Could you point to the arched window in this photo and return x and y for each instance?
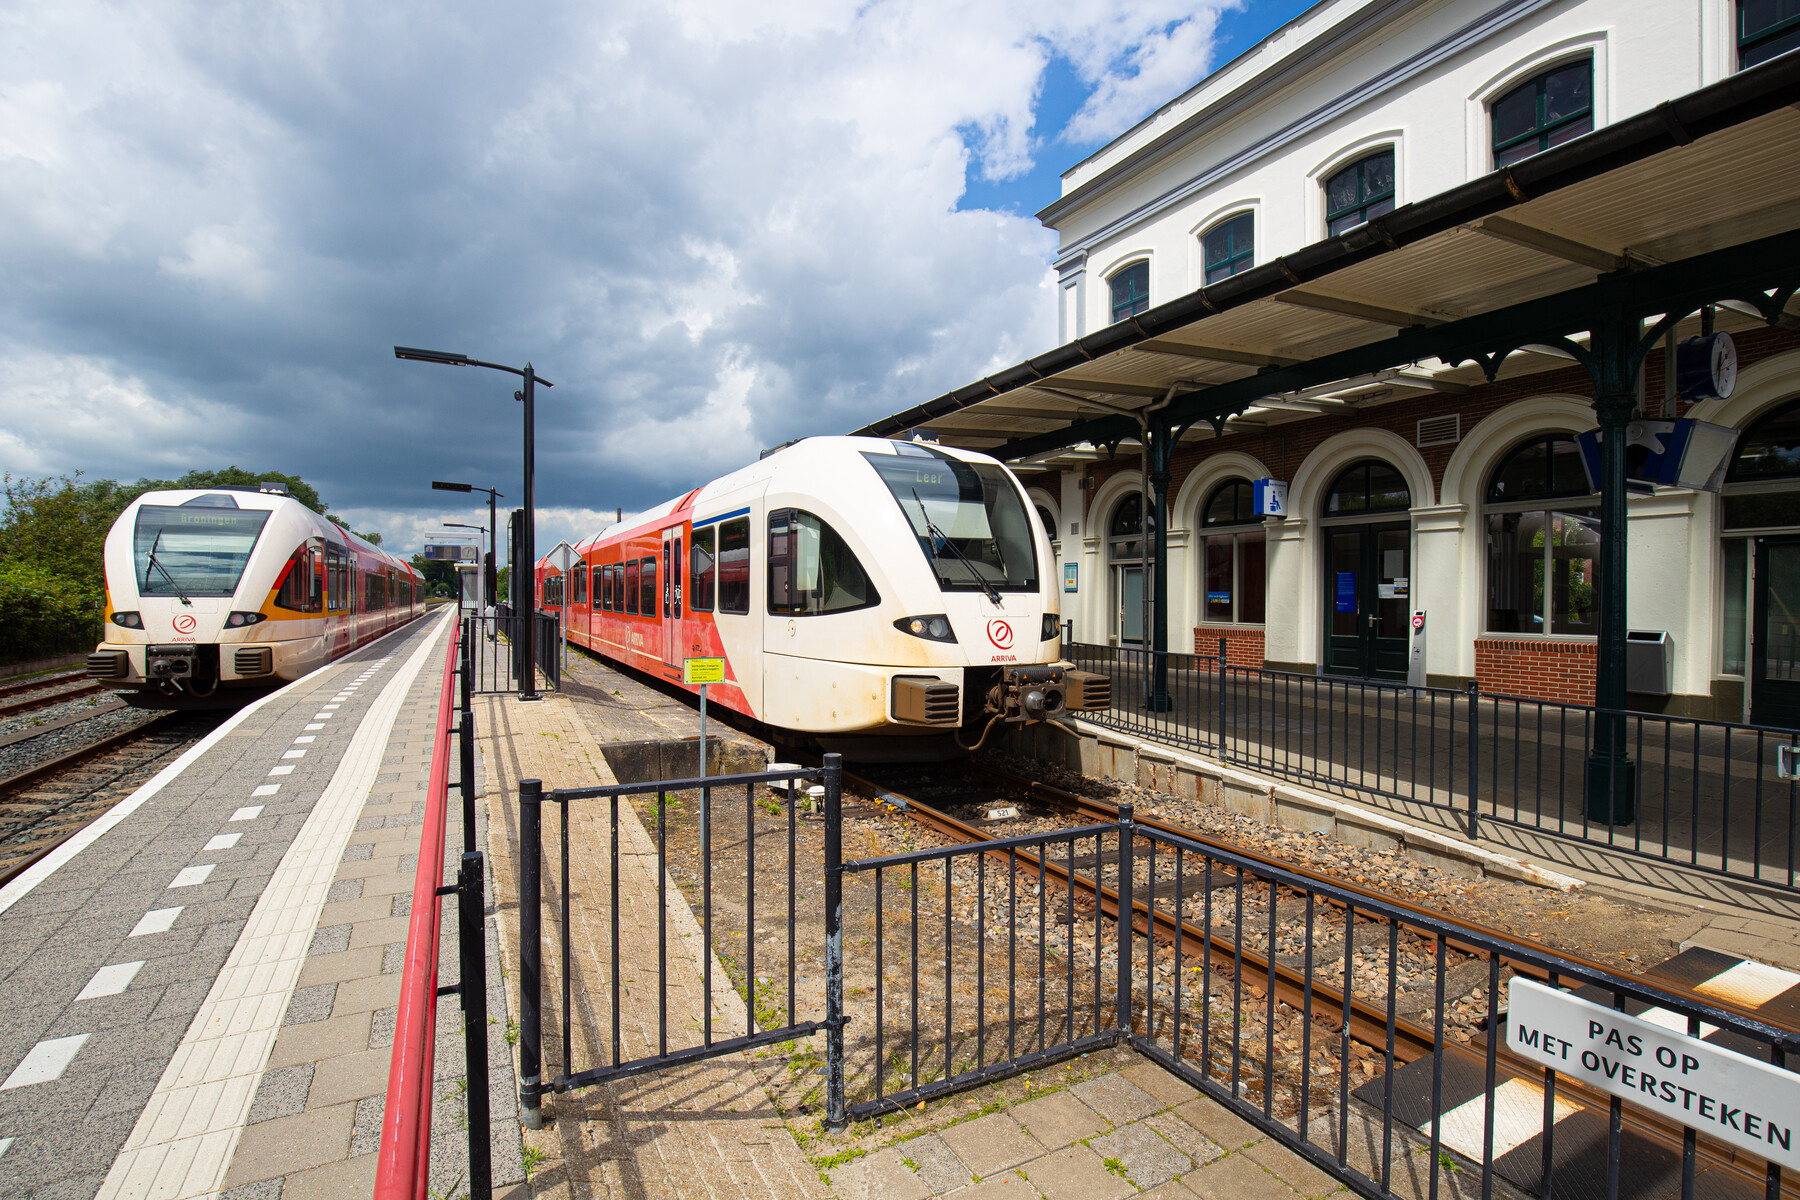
(1131, 291)
(1048, 521)
(1362, 190)
(1544, 112)
(1233, 563)
(1543, 541)
(1766, 28)
(1367, 487)
(1125, 536)
(1230, 247)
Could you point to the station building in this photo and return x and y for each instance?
(1365, 175)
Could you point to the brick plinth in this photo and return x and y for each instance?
(1539, 668)
(1243, 644)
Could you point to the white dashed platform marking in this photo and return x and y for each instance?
(110, 980)
(45, 1061)
(190, 876)
(157, 920)
(252, 811)
(222, 841)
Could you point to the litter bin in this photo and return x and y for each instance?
(1649, 661)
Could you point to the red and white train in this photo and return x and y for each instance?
(213, 595)
(852, 586)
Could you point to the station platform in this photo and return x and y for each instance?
(199, 988)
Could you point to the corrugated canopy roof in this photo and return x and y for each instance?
(1363, 318)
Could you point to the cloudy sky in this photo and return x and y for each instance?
(715, 226)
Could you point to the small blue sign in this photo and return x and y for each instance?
(1218, 597)
(1071, 577)
(1270, 497)
(1346, 591)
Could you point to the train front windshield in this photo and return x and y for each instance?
(971, 524)
(193, 551)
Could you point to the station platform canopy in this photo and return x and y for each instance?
(1695, 202)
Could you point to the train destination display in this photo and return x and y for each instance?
(1724, 1094)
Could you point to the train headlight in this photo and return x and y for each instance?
(1052, 627)
(239, 619)
(933, 628)
(128, 620)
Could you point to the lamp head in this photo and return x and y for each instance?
(438, 485)
(432, 356)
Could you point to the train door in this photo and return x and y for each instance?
(1775, 649)
(671, 595)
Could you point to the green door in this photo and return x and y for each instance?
(1368, 587)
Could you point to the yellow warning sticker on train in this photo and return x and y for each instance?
(703, 670)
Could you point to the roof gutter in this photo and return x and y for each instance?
(1674, 123)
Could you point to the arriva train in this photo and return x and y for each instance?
(215, 595)
(851, 585)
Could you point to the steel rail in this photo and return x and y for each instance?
(31, 703)
(63, 762)
(42, 681)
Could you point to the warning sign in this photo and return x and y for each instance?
(703, 670)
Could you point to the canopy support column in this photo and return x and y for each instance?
(1615, 356)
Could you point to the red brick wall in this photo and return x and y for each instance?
(1243, 644)
(1538, 668)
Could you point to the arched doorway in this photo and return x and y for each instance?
(1760, 632)
(1368, 571)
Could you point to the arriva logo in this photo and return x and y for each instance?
(1000, 633)
(185, 624)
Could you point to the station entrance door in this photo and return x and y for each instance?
(1775, 645)
(1368, 587)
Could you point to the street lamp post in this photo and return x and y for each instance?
(528, 552)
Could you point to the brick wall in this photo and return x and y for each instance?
(1539, 668)
(1243, 644)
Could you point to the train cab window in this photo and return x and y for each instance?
(812, 570)
(647, 585)
(302, 589)
(631, 586)
(734, 565)
(703, 570)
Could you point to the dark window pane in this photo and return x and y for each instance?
(1569, 132)
(1230, 504)
(647, 588)
(1568, 91)
(631, 586)
(1131, 291)
(1516, 113)
(1253, 574)
(1378, 174)
(1732, 634)
(1769, 449)
(1229, 247)
(1574, 573)
(1387, 489)
(1128, 518)
(1341, 190)
(734, 566)
(705, 570)
(1550, 109)
(1762, 510)
(812, 571)
(1219, 554)
(1515, 573)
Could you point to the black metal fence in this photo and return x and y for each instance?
(1369, 1037)
(499, 654)
(1706, 794)
(773, 1013)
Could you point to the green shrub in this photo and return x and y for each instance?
(42, 613)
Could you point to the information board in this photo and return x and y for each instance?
(703, 670)
(1719, 1092)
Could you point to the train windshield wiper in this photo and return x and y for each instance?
(155, 562)
(993, 593)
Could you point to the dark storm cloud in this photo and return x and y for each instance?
(715, 228)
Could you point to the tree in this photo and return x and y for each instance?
(297, 487)
(440, 575)
(59, 525)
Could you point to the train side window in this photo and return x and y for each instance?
(594, 577)
(734, 565)
(631, 586)
(813, 571)
(613, 603)
(299, 590)
(704, 571)
(647, 598)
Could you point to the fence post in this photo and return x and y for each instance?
(466, 768)
(468, 661)
(835, 1119)
(471, 937)
(531, 951)
(1474, 752)
(1221, 699)
(1122, 1005)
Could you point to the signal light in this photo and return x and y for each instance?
(239, 619)
(933, 628)
(128, 620)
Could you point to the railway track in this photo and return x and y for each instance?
(44, 805)
(37, 698)
(40, 682)
(1390, 1039)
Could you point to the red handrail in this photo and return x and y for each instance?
(405, 1156)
